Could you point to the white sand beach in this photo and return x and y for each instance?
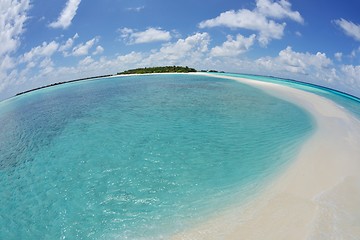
(318, 195)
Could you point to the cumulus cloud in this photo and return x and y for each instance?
(6, 80)
(86, 61)
(38, 58)
(86, 67)
(296, 62)
(279, 10)
(233, 47)
(198, 42)
(259, 19)
(68, 44)
(130, 58)
(44, 50)
(338, 56)
(46, 66)
(99, 50)
(314, 67)
(6, 63)
(149, 35)
(267, 29)
(192, 49)
(13, 15)
(301, 61)
(352, 74)
(351, 29)
(83, 48)
(35, 67)
(67, 15)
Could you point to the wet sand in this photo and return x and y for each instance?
(316, 197)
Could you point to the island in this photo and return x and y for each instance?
(165, 69)
(59, 83)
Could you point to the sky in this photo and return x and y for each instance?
(43, 42)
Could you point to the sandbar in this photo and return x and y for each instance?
(316, 197)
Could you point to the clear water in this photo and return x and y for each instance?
(349, 102)
(137, 157)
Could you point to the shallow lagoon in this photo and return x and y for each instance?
(138, 156)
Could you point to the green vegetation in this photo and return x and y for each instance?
(166, 69)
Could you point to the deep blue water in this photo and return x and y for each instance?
(138, 157)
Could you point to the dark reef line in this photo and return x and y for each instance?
(145, 70)
(59, 83)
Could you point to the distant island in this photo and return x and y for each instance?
(59, 83)
(166, 69)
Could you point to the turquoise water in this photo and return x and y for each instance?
(137, 157)
(349, 102)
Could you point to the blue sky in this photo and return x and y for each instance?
(43, 41)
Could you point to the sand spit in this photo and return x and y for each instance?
(317, 197)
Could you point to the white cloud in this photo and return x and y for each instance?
(279, 9)
(233, 47)
(35, 67)
(338, 56)
(149, 35)
(191, 49)
(67, 15)
(301, 61)
(47, 66)
(30, 65)
(197, 42)
(352, 74)
(89, 66)
(132, 57)
(41, 19)
(68, 44)
(349, 80)
(354, 53)
(296, 62)
(6, 80)
(135, 9)
(251, 20)
(13, 15)
(125, 32)
(44, 50)
(351, 29)
(258, 19)
(99, 50)
(38, 58)
(86, 61)
(318, 65)
(46, 63)
(6, 63)
(188, 51)
(83, 48)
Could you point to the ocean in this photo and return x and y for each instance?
(138, 157)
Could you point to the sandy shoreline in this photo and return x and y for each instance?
(317, 197)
